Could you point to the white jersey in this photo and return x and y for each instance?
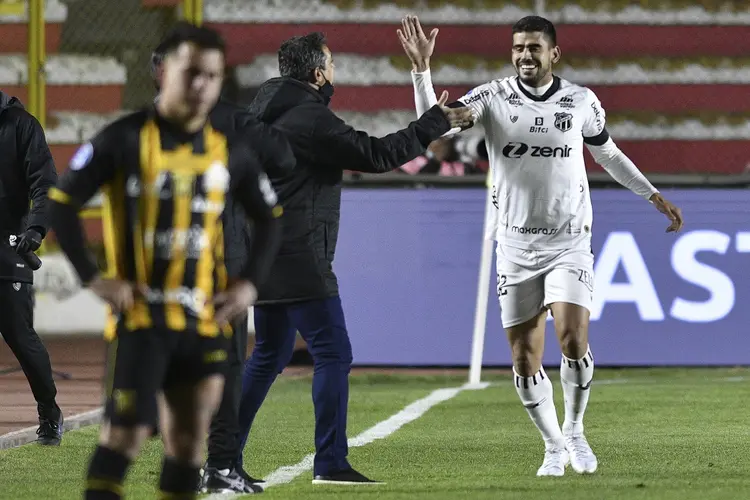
(535, 146)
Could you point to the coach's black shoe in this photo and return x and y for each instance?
(50, 431)
(345, 477)
(226, 481)
(247, 477)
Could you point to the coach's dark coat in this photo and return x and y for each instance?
(324, 147)
(275, 156)
(26, 174)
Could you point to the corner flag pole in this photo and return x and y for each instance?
(483, 291)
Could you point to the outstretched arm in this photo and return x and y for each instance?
(419, 48)
(338, 145)
(624, 171)
(620, 167)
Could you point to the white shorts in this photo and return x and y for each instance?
(528, 281)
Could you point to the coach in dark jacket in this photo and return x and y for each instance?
(302, 292)
(275, 156)
(26, 174)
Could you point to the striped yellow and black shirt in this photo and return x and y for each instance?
(164, 194)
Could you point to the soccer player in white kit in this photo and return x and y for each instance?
(535, 127)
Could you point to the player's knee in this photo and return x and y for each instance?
(184, 440)
(186, 446)
(527, 364)
(573, 339)
(527, 348)
(527, 359)
(125, 440)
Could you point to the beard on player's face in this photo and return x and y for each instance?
(532, 71)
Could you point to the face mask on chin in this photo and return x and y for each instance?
(326, 90)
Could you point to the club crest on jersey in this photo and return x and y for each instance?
(513, 119)
(566, 102)
(563, 121)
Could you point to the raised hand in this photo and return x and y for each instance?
(417, 46)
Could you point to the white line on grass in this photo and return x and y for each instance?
(381, 430)
(28, 435)
(611, 381)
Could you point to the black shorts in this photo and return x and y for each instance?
(149, 361)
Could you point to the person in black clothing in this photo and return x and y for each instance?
(26, 174)
(221, 473)
(168, 176)
(302, 291)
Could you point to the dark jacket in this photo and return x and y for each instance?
(26, 174)
(274, 154)
(324, 146)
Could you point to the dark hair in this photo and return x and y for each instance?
(157, 56)
(183, 31)
(536, 24)
(301, 55)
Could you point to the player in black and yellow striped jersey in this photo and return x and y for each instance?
(166, 177)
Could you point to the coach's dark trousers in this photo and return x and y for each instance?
(17, 329)
(223, 436)
(321, 323)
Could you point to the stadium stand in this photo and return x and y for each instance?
(97, 53)
(671, 77)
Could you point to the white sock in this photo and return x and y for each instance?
(576, 376)
(536, 394)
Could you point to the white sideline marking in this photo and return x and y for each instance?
(28, 435)
(381, 430)
(611, 381)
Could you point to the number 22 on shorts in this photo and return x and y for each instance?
(501, 280)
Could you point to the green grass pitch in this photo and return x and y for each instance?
(658, 433)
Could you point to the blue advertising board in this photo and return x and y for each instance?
(408, 264)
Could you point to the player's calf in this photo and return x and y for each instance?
(577, 365)
(535, 390)
(537, 395)
(117, 448)
(576, 374)
(190, 410)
